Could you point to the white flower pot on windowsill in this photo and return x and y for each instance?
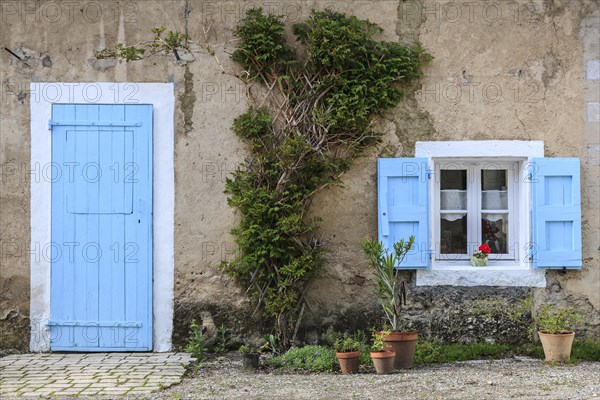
(479, 262)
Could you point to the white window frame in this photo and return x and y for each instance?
(498, 273)
(474, 166)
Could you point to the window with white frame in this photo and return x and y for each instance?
(475, 202)
(453, 196)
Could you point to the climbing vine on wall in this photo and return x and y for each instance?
(318, 112)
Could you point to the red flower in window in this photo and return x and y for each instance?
(484, 248)
(483, 252)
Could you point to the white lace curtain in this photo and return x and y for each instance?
(455, 200)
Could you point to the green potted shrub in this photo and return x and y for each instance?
(556, 331)
(392, 294)
(250, 356)
(347, 351)
(383, 358)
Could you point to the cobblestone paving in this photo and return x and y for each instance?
(90, 374)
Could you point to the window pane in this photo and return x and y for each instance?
(453, 224)
(494, 228)
(453, 232)
(494, 195)
(453, 179)
(453, 193)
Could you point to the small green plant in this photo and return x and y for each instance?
(196, 345)
(308, 358)
(270, 344)
(557, 320)
(222, 342)
(346, 344)
(172, 42)
(378, 340)
(365, 357)
(390, 289)
(247, 349)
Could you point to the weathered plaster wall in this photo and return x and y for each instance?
(518, 71)
(519, 74)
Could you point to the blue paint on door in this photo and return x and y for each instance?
(101, 252)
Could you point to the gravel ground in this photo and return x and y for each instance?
(517, 378)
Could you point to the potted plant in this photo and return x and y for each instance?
(480, 258)
(347, 351)
(250, 356)
(555, 330)
(392, 293)
(383, 358)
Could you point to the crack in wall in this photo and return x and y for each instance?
(187, 101)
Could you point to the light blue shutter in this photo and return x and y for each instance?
(101, 271)
(556, 213)
(402, 207)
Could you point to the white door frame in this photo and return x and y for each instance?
(161, 96)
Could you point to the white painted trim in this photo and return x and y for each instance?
(463, 274)
(161, 96)
(481, 148)
(481, 276)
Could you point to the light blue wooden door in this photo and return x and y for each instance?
(101, 274)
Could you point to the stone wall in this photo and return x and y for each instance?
(501, 70)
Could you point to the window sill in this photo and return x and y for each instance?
(467, 275)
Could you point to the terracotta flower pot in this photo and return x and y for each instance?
(557, 346)
(383, 361)
(404, 345)
(349, 361)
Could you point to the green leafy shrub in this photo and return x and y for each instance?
(556, 320)
(317, 116)
(378, 340)
(390, 288)
(347, 344)
(586, 349)
(365, 359)
(308, 358)
(222, 343)
(428, 352)
(196, 344)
